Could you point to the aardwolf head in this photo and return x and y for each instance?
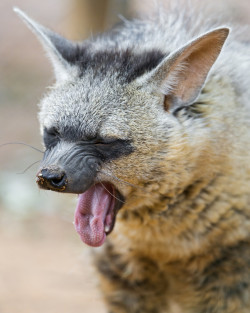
(119, 117)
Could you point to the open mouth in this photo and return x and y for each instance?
(96, 212)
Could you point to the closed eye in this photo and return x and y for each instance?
(100, 141)
(108, 148)
(105, 141)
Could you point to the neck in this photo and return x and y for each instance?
(189, 222)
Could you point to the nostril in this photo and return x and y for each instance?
(57, 181)
(53, 179)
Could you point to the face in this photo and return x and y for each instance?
(94, 140)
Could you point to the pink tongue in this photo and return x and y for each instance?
(91, 211)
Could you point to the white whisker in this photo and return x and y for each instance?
(111, 193)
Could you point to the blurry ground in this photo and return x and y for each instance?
(44, 267)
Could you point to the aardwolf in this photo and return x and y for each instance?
(149, 124)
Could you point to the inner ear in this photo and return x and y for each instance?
(181, 75)
(192, 67)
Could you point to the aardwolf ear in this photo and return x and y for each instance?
(58, 48)
(182, 74)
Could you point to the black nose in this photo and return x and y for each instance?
(52, 179)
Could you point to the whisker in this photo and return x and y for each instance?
(121, 180)
(110, 192)
(21, 143)
(28, 167)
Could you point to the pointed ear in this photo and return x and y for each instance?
(58, 48)
(182, 74)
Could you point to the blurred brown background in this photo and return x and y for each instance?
(44, 267)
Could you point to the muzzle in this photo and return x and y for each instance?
(68, 168)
